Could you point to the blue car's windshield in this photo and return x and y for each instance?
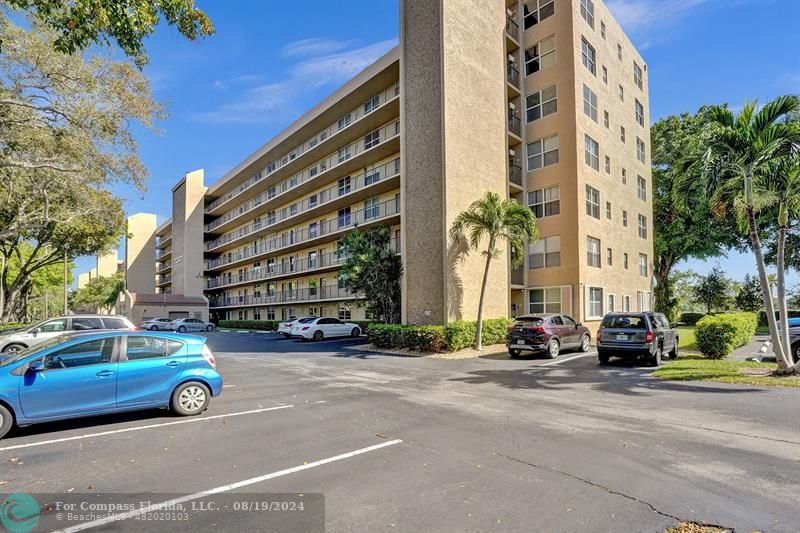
(22, 354)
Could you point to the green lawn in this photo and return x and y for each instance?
(697, 368)
(687, 340)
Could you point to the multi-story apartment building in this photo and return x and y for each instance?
(544, 101)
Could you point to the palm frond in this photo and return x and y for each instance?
(772, 111)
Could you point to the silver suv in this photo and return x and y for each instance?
(19, 339)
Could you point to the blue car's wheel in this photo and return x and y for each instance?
(6, 421)
(190, 399)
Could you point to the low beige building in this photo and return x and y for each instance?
(138, 307)
(544, 101)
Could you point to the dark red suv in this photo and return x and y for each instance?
(547, 333)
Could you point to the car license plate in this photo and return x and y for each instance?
(520, 342)
(621, 337)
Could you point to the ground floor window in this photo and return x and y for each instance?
(257, 314)
(242, 314)
(627, 302)
(345, 313)
(644, 300)
(594, 308)
(612, 303)
(270, 313)
(547, 300)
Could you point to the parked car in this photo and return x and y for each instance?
(158, 324)
(323, 328)
(636, 335)
(285, 328)
(547, 333)
(19, 339)
(182, 325)
(794, 341)
(102, 372)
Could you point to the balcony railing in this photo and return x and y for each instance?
(518, 276)
(514, 173)
(164, 266)
(512, 75)
(162, 280)
(344, 187)
(345, 220)
(311, 294)
(514, 123)
(275, 270)
(162, 253)
(512, 28)
(385, 96)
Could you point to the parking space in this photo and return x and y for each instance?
(413, 444)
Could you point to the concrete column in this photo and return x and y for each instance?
(140, 245)
(187, 235)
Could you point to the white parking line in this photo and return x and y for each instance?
(139, 428)
(559, 361)
(225, 488)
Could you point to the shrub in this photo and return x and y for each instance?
(719, 335)
(263, 325)
(762, 316)
(461, 334)
(13, 325)
(690, 319)
(418, 338)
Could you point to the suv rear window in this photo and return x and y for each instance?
(115, 323)
(624, 322)
(529, 321)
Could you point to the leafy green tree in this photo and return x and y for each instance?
(735, 152)
(683, 283)
(749, 297)
(42, 294)
(100, 294)
(78, 24)
(494, 219)
(681, 234)
(793, 298)
(66, 124)
(713, 291)
(374, 268)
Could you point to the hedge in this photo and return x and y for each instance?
(461, 334)
(452, 337)
(263, 325)
(690, 319)
(719, 335)
(13, 325)
(762, 316)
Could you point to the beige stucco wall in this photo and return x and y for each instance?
(107, 264)
(187, 235)
(139, 252)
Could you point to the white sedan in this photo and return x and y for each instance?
(285, 328)
(158, 324)
(182, 325)
(324, 328)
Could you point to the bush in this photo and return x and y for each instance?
(690, 319)
(263, 325)
(719, 335)
(461, 334)
(13, 325)
(410, 337)
(762, 316)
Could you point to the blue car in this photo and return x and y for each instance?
(104, 372)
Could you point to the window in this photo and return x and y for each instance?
(312, 230)
(344, 121)
(151, 348)
(544, 300)
(593, 252)
(627, 304)
(641, 188)
(542, 153)
(637, 75)
(53, 326)
(642, 226)
(625, 261)
(271, 192)
(271, 218)
(343, 186)
(619, 51)
(587, 12)
(624, 177)
(293, 209)
(589, 103)
(270, 313)
(545, 202)
(643, 265)
(608, 165)
(643, 300)
(605, 119)
(588, 56)
(312, 260)
(640, 153)
(592, 202)
(371, 208)
(624, 219)
(371, 104)
(621, 93)
(591, 152)
(372, 138)
(638, 112)
(540, 56)
(595, 307)
(81, 324)
(344, 217)
(344, 154)
(344, 313)
(622, 134)
(114, 323)
(605, 75)
(94, 352)
(608, 210)
(545, 253)
(535, 11)
(603, 30)
(609, 256)
(372, 176)
(612, 303)
(541, 104)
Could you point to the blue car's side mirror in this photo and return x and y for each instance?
(36, 366)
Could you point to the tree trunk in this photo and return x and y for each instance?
(664, 294)
(479, 326)
(783, 315)
(783, 362)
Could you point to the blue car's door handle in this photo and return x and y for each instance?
(173, 364)
(105, 373)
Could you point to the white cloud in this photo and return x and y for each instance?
(315, 45)
(649, 22)
(262, 102)
(236, 80)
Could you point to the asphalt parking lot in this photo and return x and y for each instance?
(420, 444)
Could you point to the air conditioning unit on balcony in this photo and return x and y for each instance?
(511, 152)
(510, 12)
(511, 106)
(512, 58)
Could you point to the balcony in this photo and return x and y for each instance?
(322, 231)
(315, 263)
(356, 126)
(162, 242)
(518, 276)
(512, 28)
(515, 173)
(295, 296)
(514, 123)
(512, 75)
(163, 280)
(164, 267)
(163, 255)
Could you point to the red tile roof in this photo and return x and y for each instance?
(166, 299)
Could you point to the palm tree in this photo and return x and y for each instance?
(735, 151)
(494, 219)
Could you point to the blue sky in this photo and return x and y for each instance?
(272, 60)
